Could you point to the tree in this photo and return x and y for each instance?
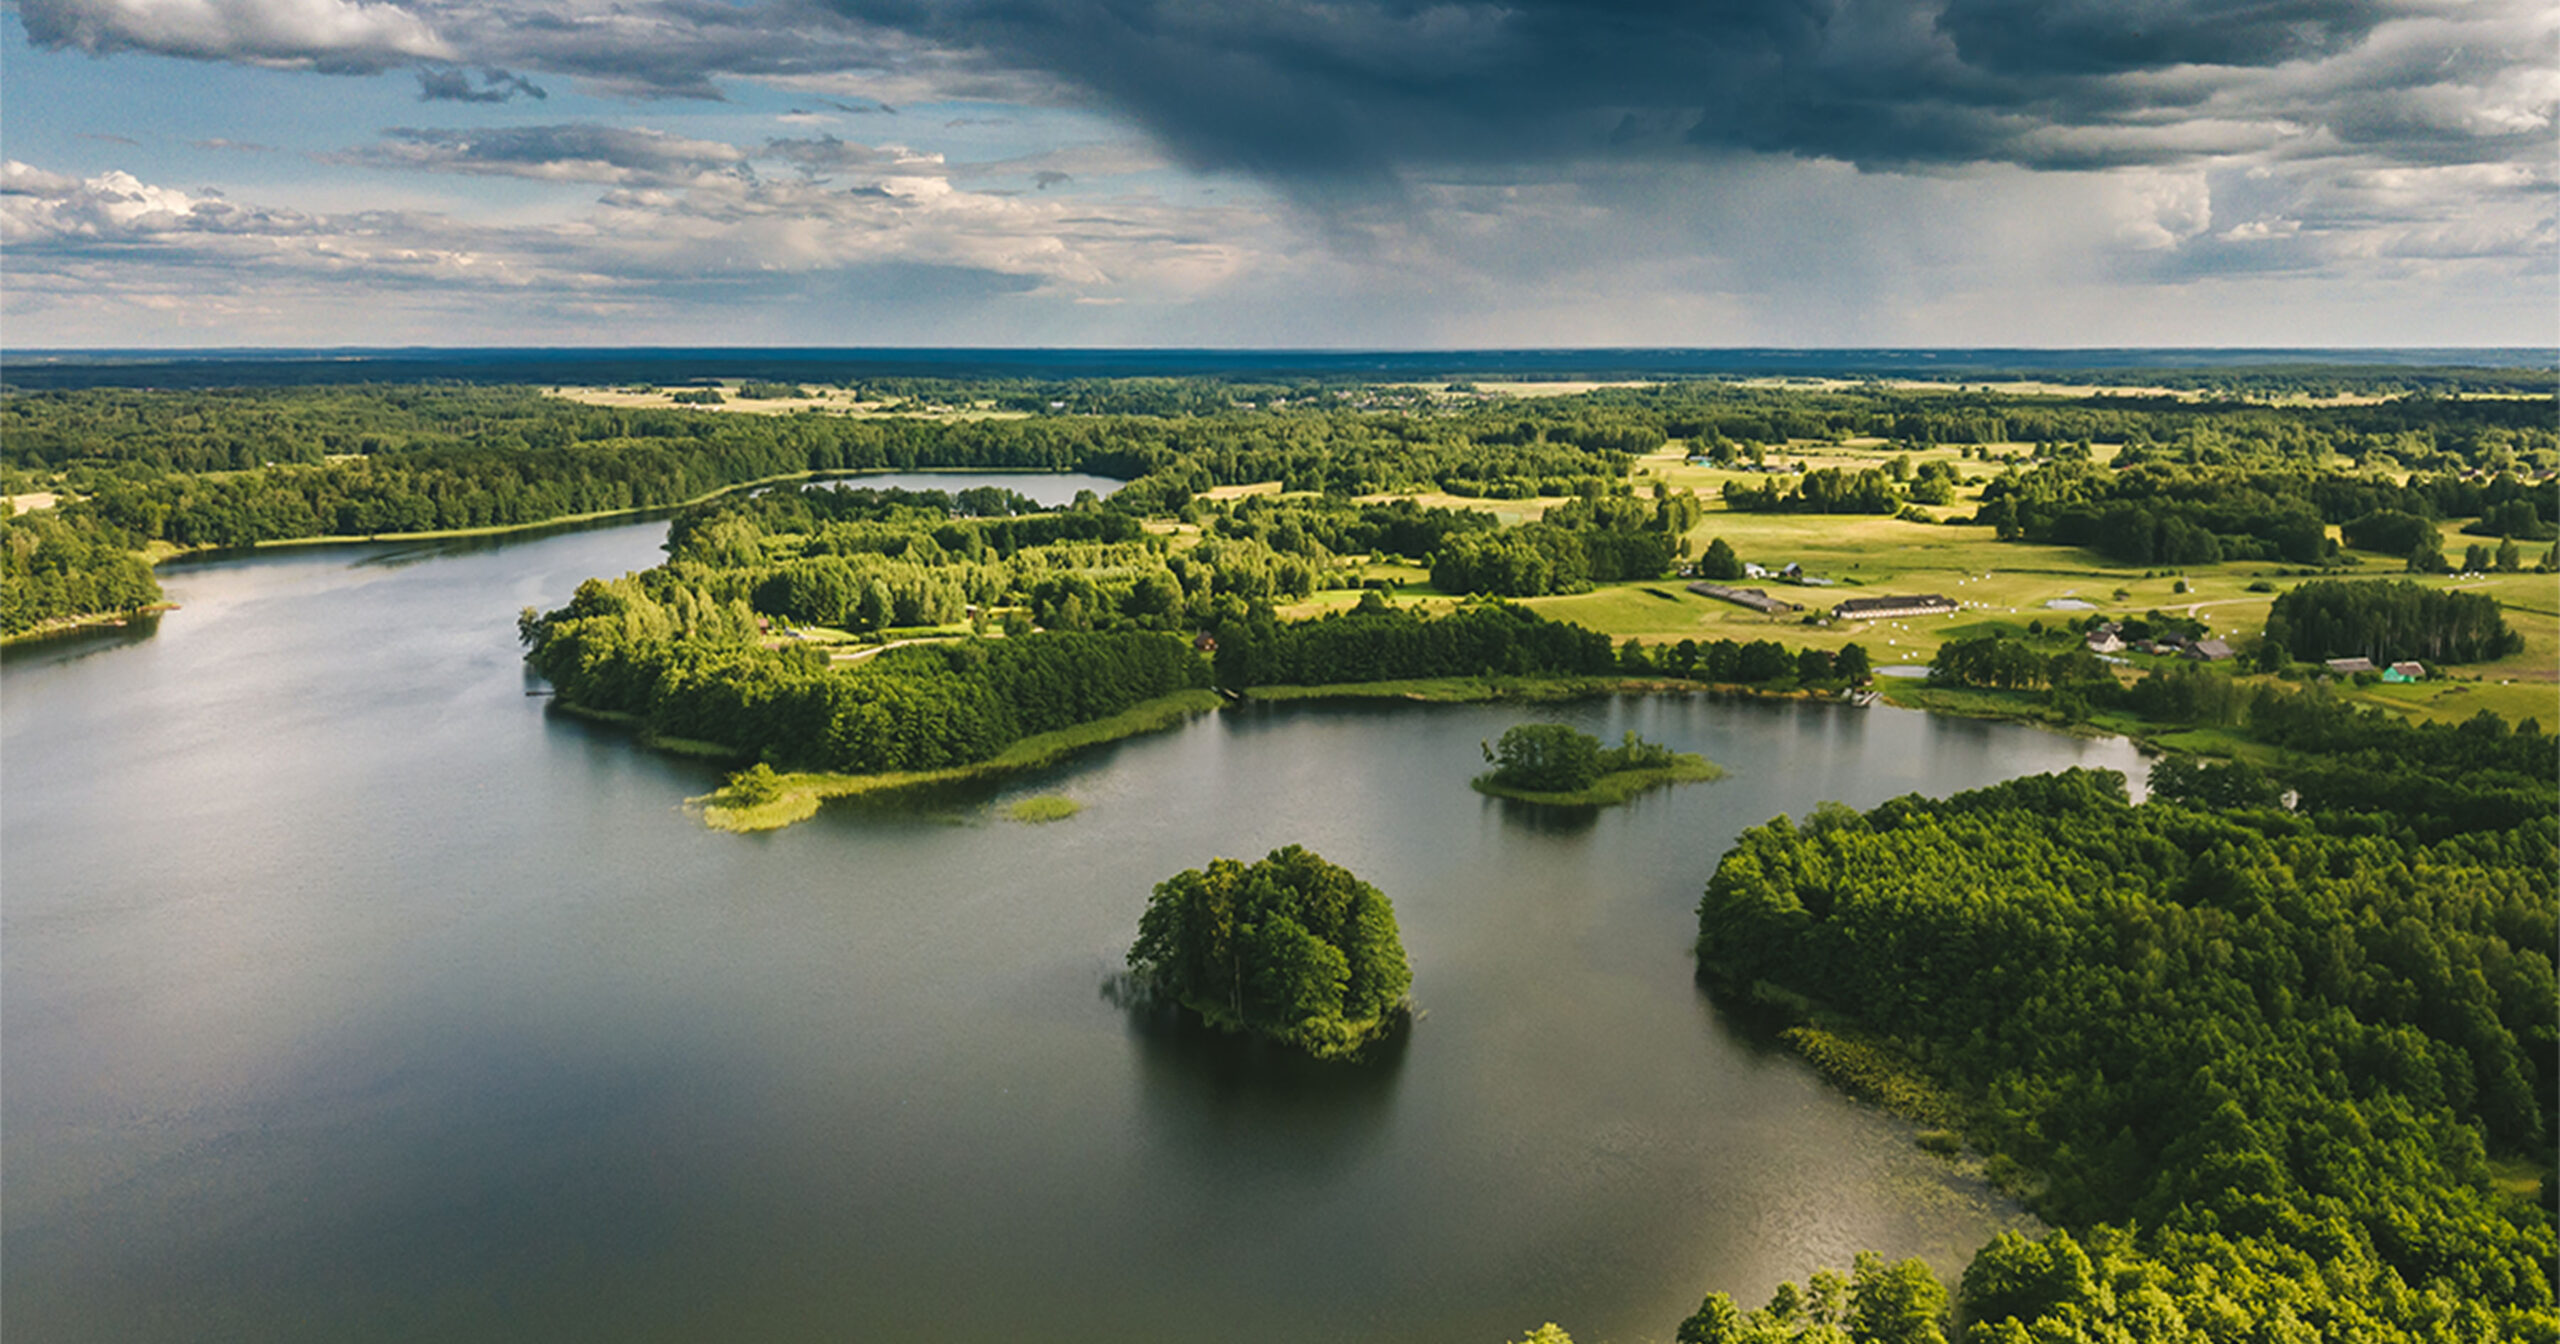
(1291, 948)
(1720, 562)
(1546, 758)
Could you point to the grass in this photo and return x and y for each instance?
(1450, 690)
(801, 792)
(1044, 808)
(1610, 789)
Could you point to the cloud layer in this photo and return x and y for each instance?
(1353, 90)
(1626, 171)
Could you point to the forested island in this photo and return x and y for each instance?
(1561, 766)
(2271, 1051)
(1289, 948)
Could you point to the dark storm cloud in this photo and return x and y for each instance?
(2033, 37)
(1352, 92)
(1359, 88)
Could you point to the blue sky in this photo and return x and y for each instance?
(1330, 173)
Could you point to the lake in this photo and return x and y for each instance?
(346, 992)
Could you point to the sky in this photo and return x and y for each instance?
(1317, 174)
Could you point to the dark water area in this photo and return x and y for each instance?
(347, 993)
(291, 368)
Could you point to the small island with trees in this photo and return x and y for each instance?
(1558, 765)
(1292, 949)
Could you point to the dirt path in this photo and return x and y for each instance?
(875, 650)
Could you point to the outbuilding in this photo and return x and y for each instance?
(1891, 608)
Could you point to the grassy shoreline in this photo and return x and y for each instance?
(1610, 789)
(801, 792)
(95, 620)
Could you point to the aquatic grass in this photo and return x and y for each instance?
(1046, 807)
(1870, 1068)
(1449, 690)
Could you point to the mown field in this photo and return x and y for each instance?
(2003, 585)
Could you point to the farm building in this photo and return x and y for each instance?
(1887, 608)
(1748, 597)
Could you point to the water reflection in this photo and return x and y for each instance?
(73, 645)
(1242, 1105)
(1544, 818)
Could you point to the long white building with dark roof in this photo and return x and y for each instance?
(1888, 608)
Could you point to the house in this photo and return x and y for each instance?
(2105, 641)
(1792, 573)
(2409, 671)
(1887, 608)
(2208, 651)
(1752, 571)
(2347, 667)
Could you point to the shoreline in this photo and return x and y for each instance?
(802, 791)
(157, 552)
(61, 626)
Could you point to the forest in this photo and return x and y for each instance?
(2387, 622)
(2259, 1059)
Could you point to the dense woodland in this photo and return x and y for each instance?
(1291, 948)
(2259, 1057)
(2389, 621)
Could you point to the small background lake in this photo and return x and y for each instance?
(347, 993)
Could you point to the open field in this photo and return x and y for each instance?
(2037, 387)
(1510, 511)
(1224, 492)
(824, 400)
(2007, 583)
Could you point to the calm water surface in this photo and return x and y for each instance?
(347, 994)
